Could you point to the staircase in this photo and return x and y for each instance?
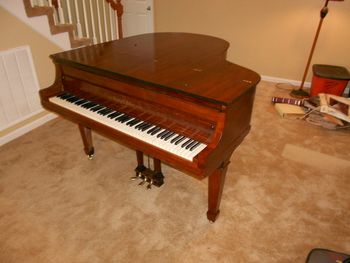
(86, 21)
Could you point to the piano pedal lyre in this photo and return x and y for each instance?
(146, 174)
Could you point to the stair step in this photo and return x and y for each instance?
(55, 28)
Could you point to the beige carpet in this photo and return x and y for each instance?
(287, 191)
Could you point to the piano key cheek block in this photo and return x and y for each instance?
(162, 96)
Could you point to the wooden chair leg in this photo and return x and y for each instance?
(86, 136)
(215, 187)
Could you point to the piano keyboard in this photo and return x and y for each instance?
(164, 139)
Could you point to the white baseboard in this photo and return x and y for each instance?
(26, 128)
(289, 81)
(296, 83)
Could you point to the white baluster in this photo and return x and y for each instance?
(99, 22)
(94, 39)
(80, 33)
(85, 19)
(69, 11)
(50, 3)
(112, 21)
(116, 26)
(55, 16)
(60, 12)
(40, 3)
(105, 19)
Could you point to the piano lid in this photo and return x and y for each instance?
(190, 64)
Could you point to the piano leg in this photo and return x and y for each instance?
(140, 166)
(87, 140)
(215, 186)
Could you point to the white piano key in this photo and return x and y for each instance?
(166, 145)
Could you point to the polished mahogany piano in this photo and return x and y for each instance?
(171, 96)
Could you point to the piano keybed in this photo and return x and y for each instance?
(142, 127)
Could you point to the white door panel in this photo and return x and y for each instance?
(137, 17)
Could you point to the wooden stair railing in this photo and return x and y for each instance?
(56, 28)
(118, 8)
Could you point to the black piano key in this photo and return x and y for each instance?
(89, 105)
(170, 136)
(176, 138)
(80, 102)
(62, 95)
(162, 133)
(190, 145)
(105, 111)
(73, 99)
(101, 110)
(83, 104)
(146, 127)
(76, 102)
(130, 122)
(123, 118)
(133, 122)
(65, 95)
(165, 135)
(140, 124)
(94, 109)
(151, 130)
(195, 146)
(140, 127)
(186, 143)
(154, 132)
(114, 115)
(120, 118)
(126, 119)
(180, 140)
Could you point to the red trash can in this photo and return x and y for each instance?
(329, 79)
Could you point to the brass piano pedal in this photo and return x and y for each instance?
(143, 181)
(138, 176)
(149, 186)
(90, 156)
(148, 176)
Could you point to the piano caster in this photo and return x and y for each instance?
(91, 153)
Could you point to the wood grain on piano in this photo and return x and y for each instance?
(178, 81)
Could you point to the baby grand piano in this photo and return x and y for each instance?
(171, 96)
